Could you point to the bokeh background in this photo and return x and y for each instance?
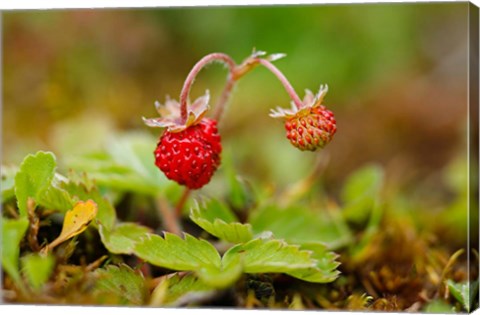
(397, 76)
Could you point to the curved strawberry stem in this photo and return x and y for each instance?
(290, 90)
(235, 73)
(227, 60)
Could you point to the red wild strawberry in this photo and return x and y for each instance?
(310, 127)
(189, 152)
(190, 157)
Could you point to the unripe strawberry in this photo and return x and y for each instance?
(191, 156)
(312, 130)
(189, 151)
(312, 126)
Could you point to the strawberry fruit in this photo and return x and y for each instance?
(190, 157)
(312, 130)
(188, 151)
(312, 125)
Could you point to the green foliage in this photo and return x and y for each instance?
(361, 192)
(300, 225)
(8, 182)
(260, 255)
(269, 255)
(239, 195)
(464, 292)
(37, 269)
(217, 219)
(127, 164)
(125, 284)
(180, 288)
(190, 254)
(325, 269)
(36, 179)
(173, 252)
(439, 307)
(12, 234)
(121, 238)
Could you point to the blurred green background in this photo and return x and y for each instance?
(397, 76)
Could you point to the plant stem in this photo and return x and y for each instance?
(227, 60)
(181, 202)
(170, 221)
(290, 90)
(222, 101)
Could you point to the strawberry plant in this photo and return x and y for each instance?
(166, 220)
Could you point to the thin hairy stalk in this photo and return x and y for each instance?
(194, 72)
(181, 202)
(170, 221)
(222, 101)
(290, 90)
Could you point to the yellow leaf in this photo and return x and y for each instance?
(75, 222)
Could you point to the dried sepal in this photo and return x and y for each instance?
(309, 101)
(170, 114)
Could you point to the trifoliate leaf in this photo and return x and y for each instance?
(176, 253)
(35, 179)
(180, 290)
(12, 233)
(299, 225)
(75, 222)
(215, 218)
(121, 238)
(261, 256)
(360, 192)
(463, 293)
(37, 269)
(125, 284)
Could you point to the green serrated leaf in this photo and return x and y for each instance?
(12, 233)
(121, 239)
(176, 253)
(127, 285)
(36, 171)
(37, 269)
(360, 193)
(215, 218)
(222, 277)
(263, 255)
(52, 196)
(300, 225)
(325, 269)
(213, 209)
(463, 293)
(35, 179)
(176, 289)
